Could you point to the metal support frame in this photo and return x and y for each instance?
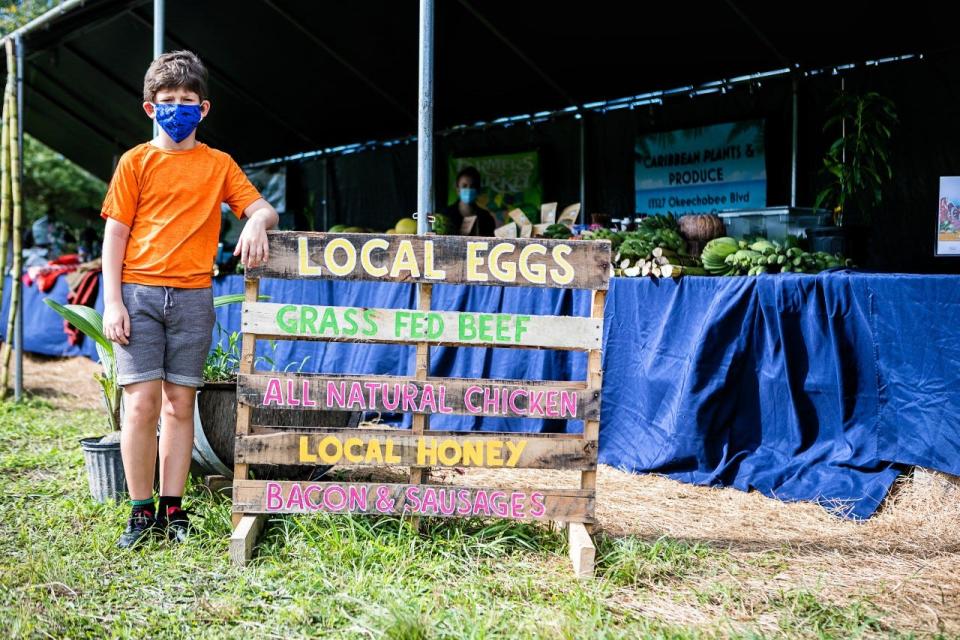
(18, 323)
(794, 142)
(159, 25)
(425, 119)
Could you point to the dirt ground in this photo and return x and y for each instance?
(905, 561)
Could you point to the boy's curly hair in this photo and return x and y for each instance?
(175, 69)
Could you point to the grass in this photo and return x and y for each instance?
(342, 577)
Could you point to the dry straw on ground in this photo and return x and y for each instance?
(904, 562)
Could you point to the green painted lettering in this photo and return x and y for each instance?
(286, 324)
(308, 319)
(329, 325)
(350, 318)
(369, 325)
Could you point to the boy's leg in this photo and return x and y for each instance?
(138, 437)
(176, 437)
(189, 318)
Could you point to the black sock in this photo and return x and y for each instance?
(142, 507)
(166, 502)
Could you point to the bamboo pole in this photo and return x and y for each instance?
(15, 283)
(4, 186)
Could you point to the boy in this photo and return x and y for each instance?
(162, 213)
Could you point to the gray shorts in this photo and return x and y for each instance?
(170, 334)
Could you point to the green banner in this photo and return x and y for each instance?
(508, 181)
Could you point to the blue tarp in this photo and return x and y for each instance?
(804, 388)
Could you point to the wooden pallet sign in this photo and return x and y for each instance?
(423, 260)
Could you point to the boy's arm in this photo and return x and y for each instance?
(116, 321)
(252, 245)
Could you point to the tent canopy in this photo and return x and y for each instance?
(287, 77)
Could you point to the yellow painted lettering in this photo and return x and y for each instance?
(324, 450)
(389, 456)
(303, 255)
(515, 449)
(535, 273)
(369, 247)
(472, 455)
(330, 257)
(348, 450)
(448, 452)
(565, 274)
(506, 272)
(405, 260)
(426, 448)
(305, 455)
(429, 270)
(374, 452)
(474, 261)
(495, 453)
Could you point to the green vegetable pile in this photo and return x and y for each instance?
(730, 257)
(558, 232)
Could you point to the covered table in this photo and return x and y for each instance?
(817, 388)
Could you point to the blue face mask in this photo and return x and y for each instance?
(178, 120)
(468, 195)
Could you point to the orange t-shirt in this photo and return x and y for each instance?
(171, 200)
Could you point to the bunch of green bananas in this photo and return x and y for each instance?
(715, 254)
(765, 256)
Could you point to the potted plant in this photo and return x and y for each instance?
(857, 164)
(102, 453)
(217, 405)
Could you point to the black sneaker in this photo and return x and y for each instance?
(176, 524)
(139, 527)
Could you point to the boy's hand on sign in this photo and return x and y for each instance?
(252, 246)
(116, 323)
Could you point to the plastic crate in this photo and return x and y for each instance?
(775, 222)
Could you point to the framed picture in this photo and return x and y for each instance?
(948, 217)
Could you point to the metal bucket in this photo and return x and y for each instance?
(101, 455)
(214, 430)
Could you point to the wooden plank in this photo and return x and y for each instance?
(244, 538)
(582, 551)
(455, 396)
(420, 474)
(591, 426)
(354, 447)
(269, 496)
(568, 264)
(354, 324)
(248, 346)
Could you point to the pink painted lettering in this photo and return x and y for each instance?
(468, 402)
(305, 395)
(291, 394)
(355, 401)
(409, 397)
(490, 400)
(273, 392)
(536, 403)
(357, 498)
(274, 496)
(372, 389)
(537, 508)
(335, 395)
(428, 399)
(328, 494)
(480, 504)
(498, 504)
(295, 499)
(388, 404)
(443, 400)
(513, 402)
(568, 404)
(552, 404)
(516, 504)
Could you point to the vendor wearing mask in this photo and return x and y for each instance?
(466, 207)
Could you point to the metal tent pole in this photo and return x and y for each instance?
(795, 143)
(18, 329)
(425, 119)
(159, 24)
(583, 169)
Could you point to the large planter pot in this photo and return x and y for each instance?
(216, 424)
(101, 456)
